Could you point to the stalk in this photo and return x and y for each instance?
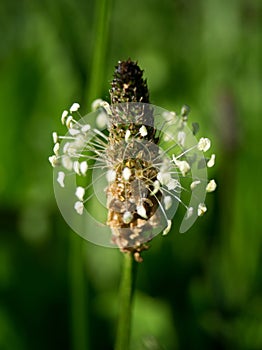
(125, 303)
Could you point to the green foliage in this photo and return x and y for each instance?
(199, 290)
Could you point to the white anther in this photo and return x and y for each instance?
(79, 207)
(204, 144)
(75, 107)
(61, 178)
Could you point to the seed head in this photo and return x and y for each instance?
(145, 157)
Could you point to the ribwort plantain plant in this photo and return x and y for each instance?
(141, 162)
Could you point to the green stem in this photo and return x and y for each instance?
(125, 303)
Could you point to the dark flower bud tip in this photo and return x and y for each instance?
(128, 84)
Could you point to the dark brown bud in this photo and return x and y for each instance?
(128, 84)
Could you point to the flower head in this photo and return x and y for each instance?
(140, 165)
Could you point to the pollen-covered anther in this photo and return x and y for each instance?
(164, 177)
(106, 107)
(141, 211)
(75, 107)
(181, 138)
(73, 132)
(80, 192)
(76, 167)
(126, 173)
(168, 228)
(143, 131)
(211, 161)
(83, 167)
(201, 209)
(156, 188)
(127, 135)
(61, 178)
(194, 184)
(189, 212)
(211, 186)
(96, 104)
(102, 120)
(182, 165)
(56, 148)
(64, 115)
(67, 162)
(204, 144)
(55, 137)
(53, 161)
(79, 207)
(127, 217)
(68, 122)
(167, 202)
(111, 176)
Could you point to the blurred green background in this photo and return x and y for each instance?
(199, 290)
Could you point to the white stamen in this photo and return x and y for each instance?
(75, 107)
(127, 135)
(211, 186)
(102, 120)
(61, 178)
(201, 209)
(111, 176)
(96, 104)
(53, 160)
(127, 217)
(156, 185)
(79, 207)
(189, 212)
(164, 178)
(167, 202)
(211, 161)
(181, 138)
(67, 162)
(106, 106)
(167, 229)
(76, 167)
(194, 184)
(182, 165)
(69, 122)
(80, 192)
(66, 146)
(126, 173)
(204, 144)
(55, 137)
(141, 211)
(143, 131)
(70, 148)
(83, 167)
(64, 115)
(73, 132)
(56, 148)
